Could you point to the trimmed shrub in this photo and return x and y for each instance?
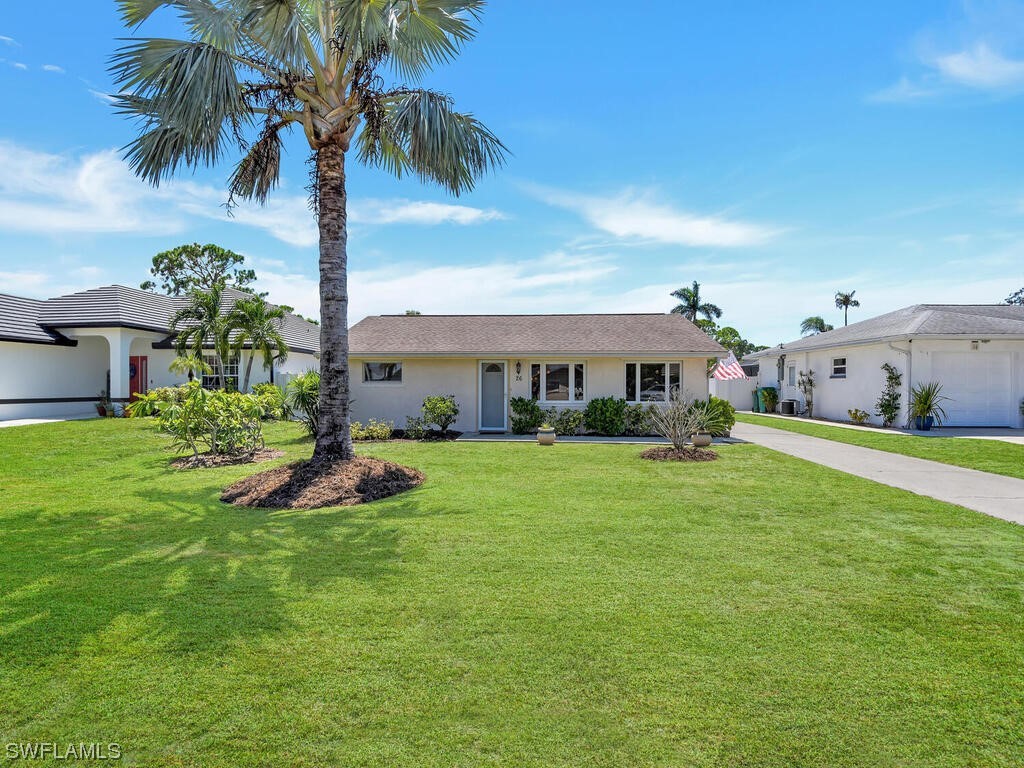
(606, 415)
(415, 427)
(374, 430)
(527, 415)
(441, 410)
(568, 421)
(149, 403)
(639, 419)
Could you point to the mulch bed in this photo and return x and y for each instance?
(686, 454)
(207, 460)
(313, 484)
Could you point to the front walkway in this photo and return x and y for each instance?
(28, 422)
(994, 495)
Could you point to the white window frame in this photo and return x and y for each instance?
(573, 400)
(835, 366)
(230, 371)
(378, 382)
(667, 373)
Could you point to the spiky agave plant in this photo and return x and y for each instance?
(250, 70)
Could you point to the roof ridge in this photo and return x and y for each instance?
(536, 314)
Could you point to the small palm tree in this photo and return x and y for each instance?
(814, 325)
(844, 301)
(201, 324)
(189, 364)
(255, 323)
(693, 305)
(251, 70)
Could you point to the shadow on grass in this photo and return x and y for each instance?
(178, 569)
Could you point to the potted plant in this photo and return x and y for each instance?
(104, 405)
(926, 406)
(706, 419)
(546, 434)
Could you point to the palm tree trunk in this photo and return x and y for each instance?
(333, 439)
(846, 314)
(248, 370)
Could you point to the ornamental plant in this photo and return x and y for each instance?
(606, 415)
(213, 421)
(441, 410)
(888, 405)
(527, 415)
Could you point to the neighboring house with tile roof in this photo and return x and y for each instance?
(57, 355)
(976, 351)
(562, 361)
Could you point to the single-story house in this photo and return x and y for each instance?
(485, 360)
(57, 355)
(975, 351)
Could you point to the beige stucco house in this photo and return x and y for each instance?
(484, 360)
(57, 355)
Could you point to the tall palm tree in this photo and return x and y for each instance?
(814, 325)
(844, 301)
(693, 305)
(201, 324)
(251, 69)
(254, 322)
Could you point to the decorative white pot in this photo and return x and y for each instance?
(701, 439)
(546, 436)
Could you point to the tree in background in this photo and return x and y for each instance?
(731, 339)
(844, 301)
(201, 324)
(251, 69)
(814, 325)
(257, 324)
(693, 305)
(1017, 297)
(198, 267)
(413, 312)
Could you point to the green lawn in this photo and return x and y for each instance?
(986, 455)
(526, 606)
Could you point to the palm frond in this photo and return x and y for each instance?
(419, 132)
(259, 171)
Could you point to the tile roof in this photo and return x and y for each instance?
(118, 306)
(633, 334)
(19, 321)
(938, 320)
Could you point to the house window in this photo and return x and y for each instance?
(647, 382)
(791, 376)
(377, 373)
(212, 380)
(558, 382)
(838, 367)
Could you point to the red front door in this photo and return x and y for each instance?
(138, 375)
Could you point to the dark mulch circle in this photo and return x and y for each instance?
(686, 454)
(313, 484)
(206, 460)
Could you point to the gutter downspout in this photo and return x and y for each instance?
(910, 370)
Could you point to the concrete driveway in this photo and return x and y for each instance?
(994, 495)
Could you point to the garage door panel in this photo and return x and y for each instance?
(979, 386)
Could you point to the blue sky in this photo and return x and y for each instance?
(775, 152)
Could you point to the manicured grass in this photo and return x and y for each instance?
(985, 455)
(526, 606)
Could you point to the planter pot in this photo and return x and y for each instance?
(923, 423)
(101, 410)
(546, 436)
(701, 439)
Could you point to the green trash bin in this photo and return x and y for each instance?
(759, 400)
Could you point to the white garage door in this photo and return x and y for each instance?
(979, 386)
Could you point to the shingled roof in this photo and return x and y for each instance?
(117, 306)
(919, 320)
(473, 335)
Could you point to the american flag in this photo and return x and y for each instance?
(729, 368)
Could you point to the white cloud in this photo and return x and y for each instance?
(9, 41)
(981, 67)
(44, 285)
(53, 68)
(97, 192)
(637, 216)
(19, 65)
(903, 90)
(106, 98)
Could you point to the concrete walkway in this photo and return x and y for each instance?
(995, 495)
(29, 422)
(1003, 434)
